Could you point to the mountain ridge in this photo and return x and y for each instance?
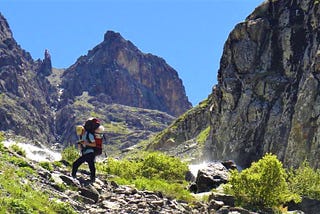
(267, 96)
(44, 104)
(130, 77)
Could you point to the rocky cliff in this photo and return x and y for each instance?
(267, 98)
(115, 79)
(25, 93)
(115, 82)
(119, 72)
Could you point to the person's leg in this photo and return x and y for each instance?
(76, 165)
(90, 161)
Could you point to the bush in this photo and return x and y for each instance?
(2, 136)
(13, 205)
(124, 168)
(151, 165)
(152, 171)
(18, 196)
(46, 165)
(262, 185)
(157, 165)
(70, 154)
(305, 181)
(18, 150)
(61, 207)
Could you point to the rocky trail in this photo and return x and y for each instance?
(106, 196)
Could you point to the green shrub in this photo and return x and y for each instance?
(46, 165)
(158, 165)
(263, 185)
(1, 136)
(15, 205)
(18, 150)
(152, 171)
(150, 165)
(61, 207)
(124, 168)
(70, 154)
(305, 181)
(18, 161)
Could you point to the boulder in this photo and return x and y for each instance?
(307, 205)
(90, 192)
(212, 176)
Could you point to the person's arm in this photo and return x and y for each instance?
(92, 142)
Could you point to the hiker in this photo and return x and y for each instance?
(87, 144)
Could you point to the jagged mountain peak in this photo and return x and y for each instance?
(112, 37)
(119, 71)
(5, 32)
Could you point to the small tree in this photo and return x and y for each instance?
(262, 185)
(305, 181)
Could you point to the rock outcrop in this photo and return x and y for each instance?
(44, 104)
(125, 126)
(25, 96)
(186, 136)
(267, 98)
(120, 72)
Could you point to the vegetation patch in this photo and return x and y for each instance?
(18, 150)
(70, 154)
(20, 195)
(203, 136)
(47, 165)
(152, 171)
(118, 128)
(305, 181)
(263, 185)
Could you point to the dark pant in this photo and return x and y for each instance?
(89, 158)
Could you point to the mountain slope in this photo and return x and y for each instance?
(121, 73)
(44, 104)
(26, 96)
(267, 95)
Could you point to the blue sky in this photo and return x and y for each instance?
(188, 34)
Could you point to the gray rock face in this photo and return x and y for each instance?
(44, 104)
(25, 95)
(125, 75)
(267, 98)
(125, 125)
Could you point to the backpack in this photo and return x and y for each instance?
(98, 137)
(98, 148)
(90, 127)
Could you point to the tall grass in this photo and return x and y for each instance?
(152, 171)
